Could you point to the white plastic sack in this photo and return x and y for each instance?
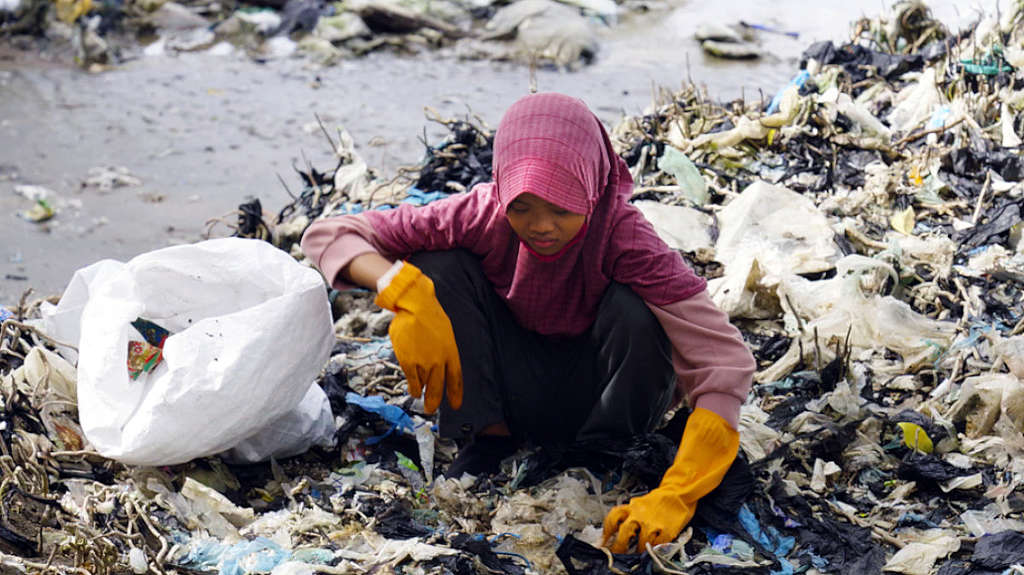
(250, 329)
(310, 423)
(544, 28)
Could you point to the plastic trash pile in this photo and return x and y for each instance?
(863, 229)
(104, 32)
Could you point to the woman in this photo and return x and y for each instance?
(549, 311)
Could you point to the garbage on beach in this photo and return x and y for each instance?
(730, 42)
(731, 50)
(542, 31)
(557, 33)
(883, 305)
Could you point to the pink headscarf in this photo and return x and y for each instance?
(553, 146)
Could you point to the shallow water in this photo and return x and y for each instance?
(203, 132)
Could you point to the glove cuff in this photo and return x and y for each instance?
(407, 275)
(708, 448)
(708, 431)
(385, 280)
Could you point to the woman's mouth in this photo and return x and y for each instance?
(543, 243)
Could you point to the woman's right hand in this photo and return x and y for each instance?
(423, 339)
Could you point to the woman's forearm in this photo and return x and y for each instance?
(365, 269)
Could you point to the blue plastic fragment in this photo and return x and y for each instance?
(780, 545)
(260, 555)
(908, 519)
(764, 28)
(393, 414)
(820, 562)
(939, 117)
(370, 352)
(418, 197)
(5, 314)
(257, 556)
(721, 542)
(787, 521)
(348, 208)
(799, 80)
(204, 554)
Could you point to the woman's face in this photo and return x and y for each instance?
(545, 227)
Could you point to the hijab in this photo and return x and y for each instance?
(553, 146)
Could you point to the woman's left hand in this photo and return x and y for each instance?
(707, 450)
(422, 336)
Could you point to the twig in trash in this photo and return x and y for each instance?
(210, 223)
(799, 322)
(42, 568)
(981, 198)
(286, 189)
(967, 302)
(21, 303)
(161, 556)
(49, 560)
(817, 351)
(917, 136)
(353, 338)
(1018, 329)
(876, 532)
(317, 192)
(859, 236)
(23, 326)
(662, 568)
(77, 453)
(611, 562)
(533, 73)
(327, 135)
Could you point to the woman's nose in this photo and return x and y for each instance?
(542, 224)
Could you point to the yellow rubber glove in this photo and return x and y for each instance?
(708, 448)
(422, 336)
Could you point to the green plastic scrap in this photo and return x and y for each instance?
(406, 462)
(686, 174)
(992, 64)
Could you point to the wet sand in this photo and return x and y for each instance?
(204, 132)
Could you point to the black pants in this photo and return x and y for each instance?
(613, 381)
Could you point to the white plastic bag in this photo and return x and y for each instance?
(680, 227)
(782, 229)
(250, 329)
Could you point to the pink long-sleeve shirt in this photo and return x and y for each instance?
(713, 366)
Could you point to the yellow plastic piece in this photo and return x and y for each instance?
(915, 437)
(915, 176)
(70, 10)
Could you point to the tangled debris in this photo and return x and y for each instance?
(864, 232)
